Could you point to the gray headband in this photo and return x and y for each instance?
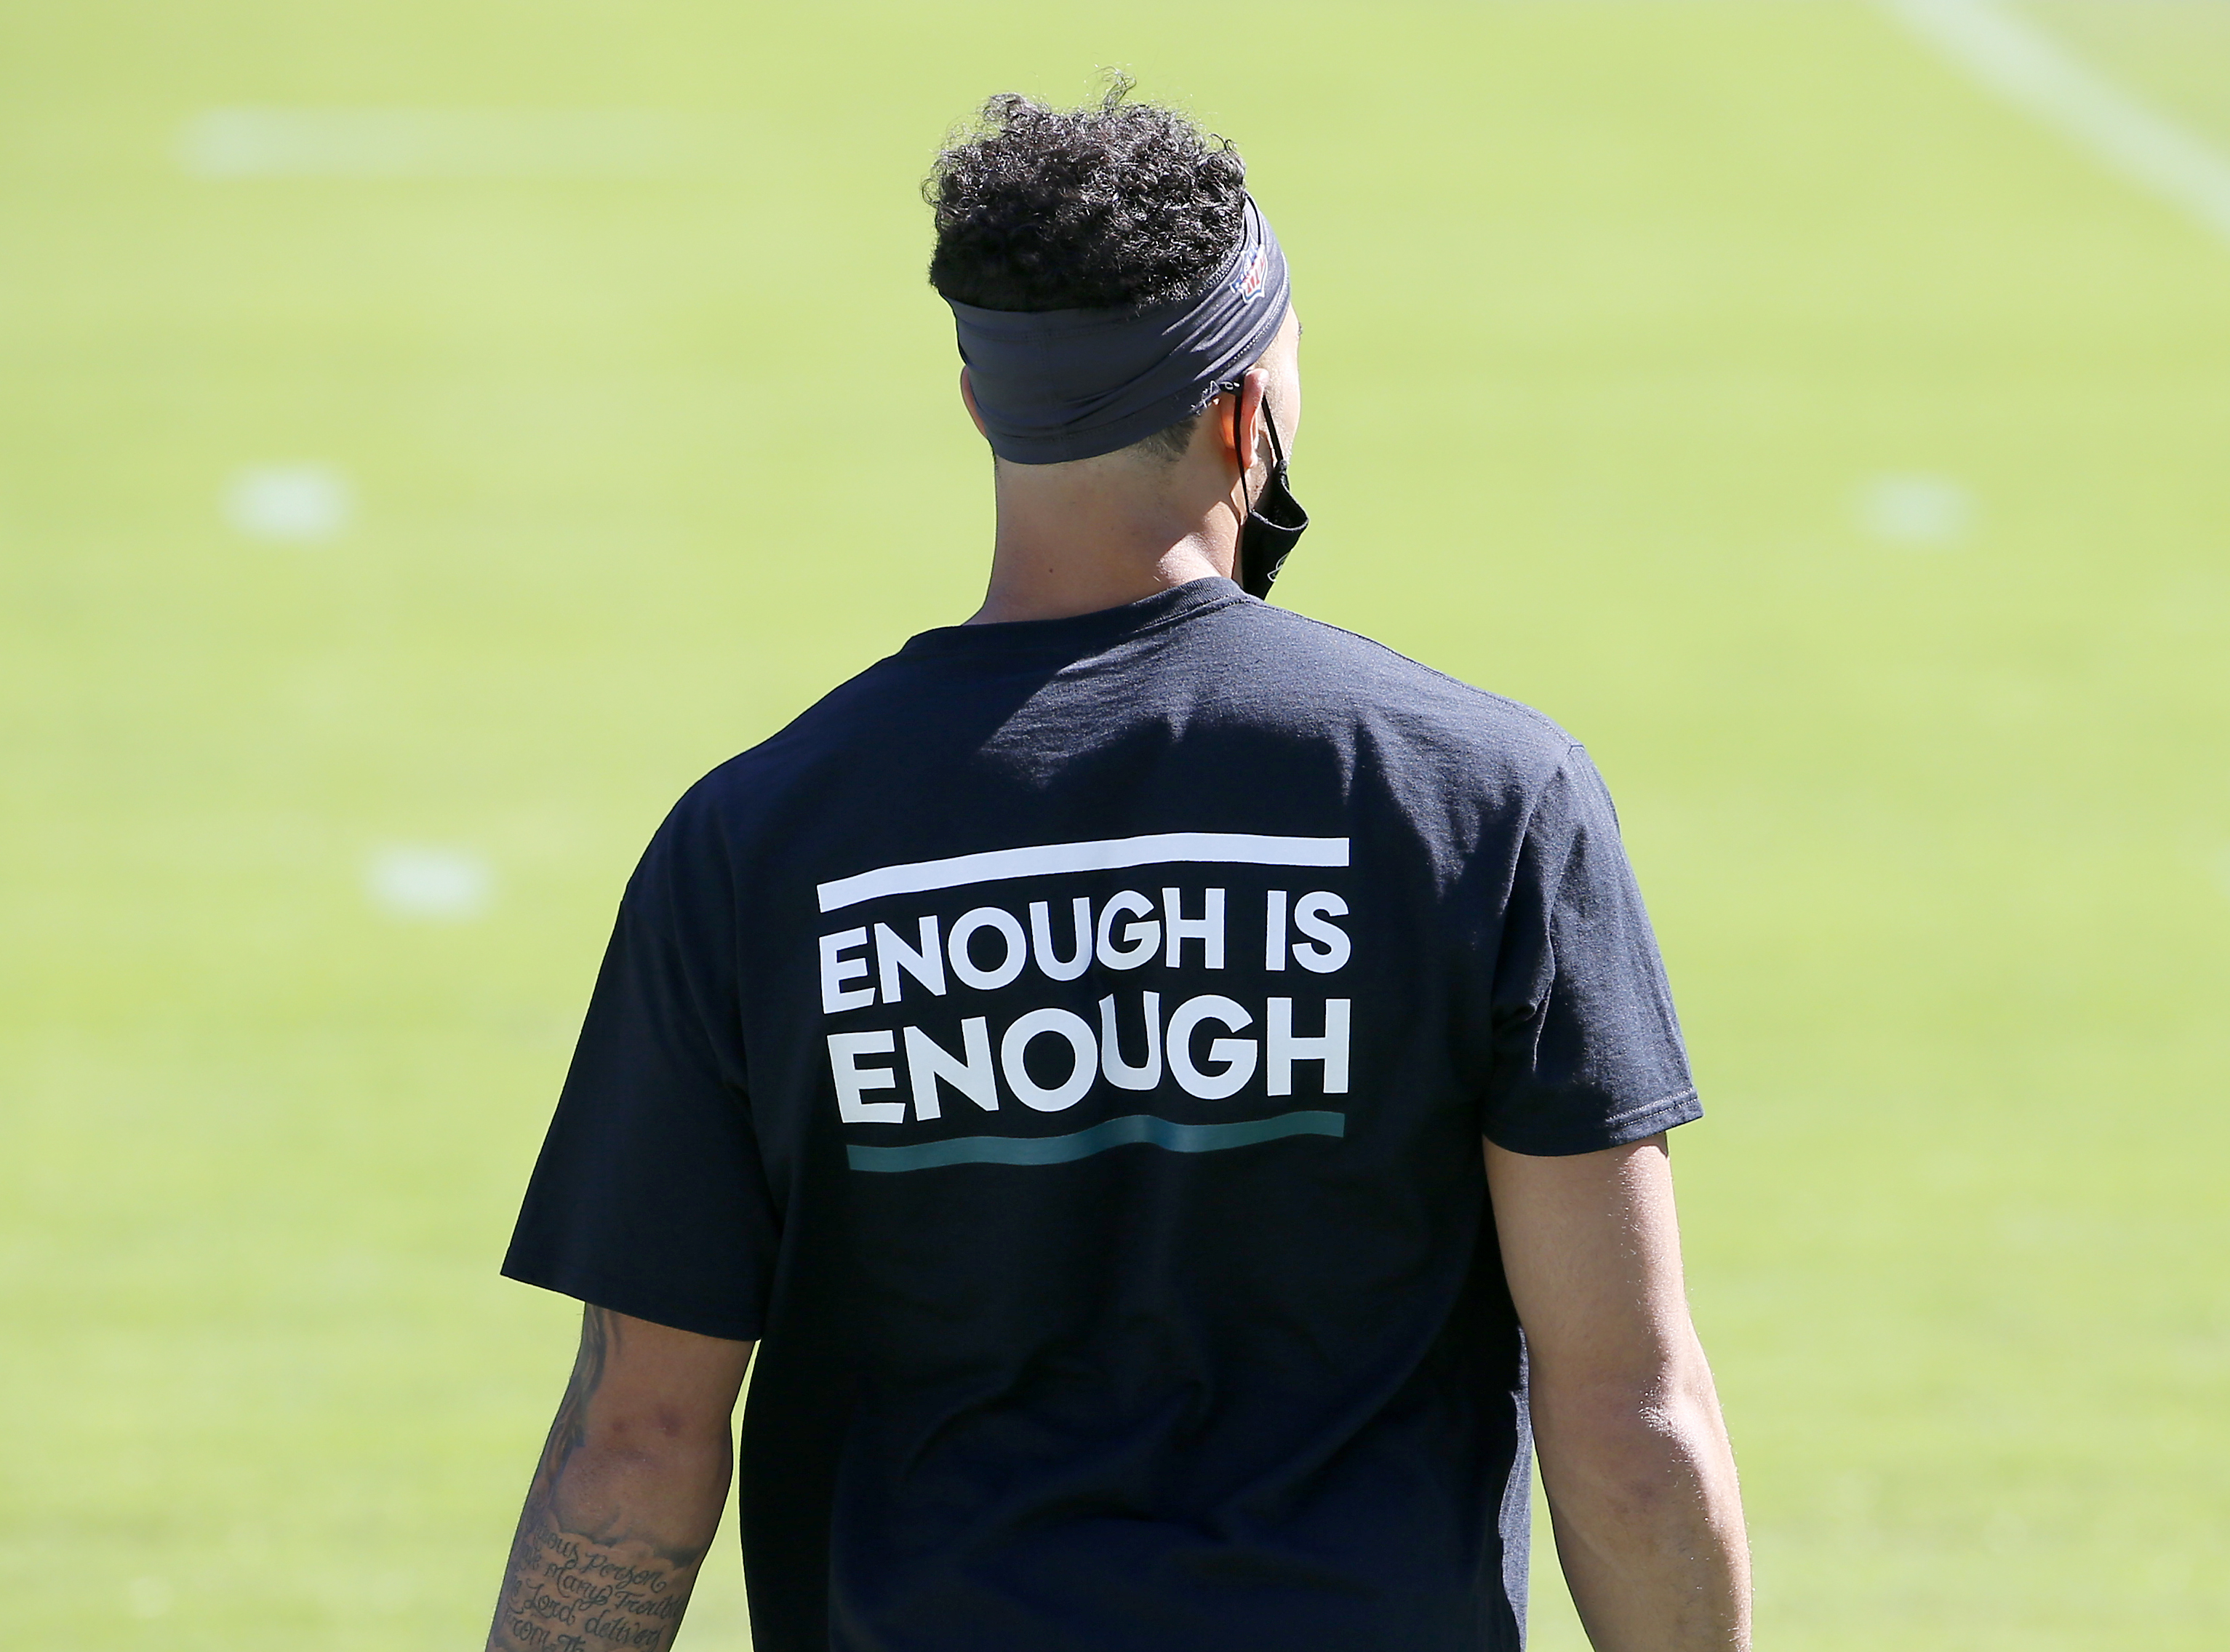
(1054, 386)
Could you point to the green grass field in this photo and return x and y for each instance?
(1625, 320)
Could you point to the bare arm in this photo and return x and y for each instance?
(1633, 1453)
(627, 1493)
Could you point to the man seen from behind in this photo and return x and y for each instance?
(1174, 1093)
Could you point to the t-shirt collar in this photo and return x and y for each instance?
(1078, 634)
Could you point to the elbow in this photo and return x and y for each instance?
(653, 1441)
(1640, 1436)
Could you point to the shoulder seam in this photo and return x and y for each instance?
(1519, 705)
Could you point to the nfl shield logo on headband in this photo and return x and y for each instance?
(1248, 283)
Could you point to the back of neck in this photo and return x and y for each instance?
(1080, 543)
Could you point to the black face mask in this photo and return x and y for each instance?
(1274, 517)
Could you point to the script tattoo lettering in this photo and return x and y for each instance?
(598, 1590)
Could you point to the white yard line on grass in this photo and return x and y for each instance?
(2015, 59)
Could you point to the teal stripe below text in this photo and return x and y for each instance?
(1082, 1143)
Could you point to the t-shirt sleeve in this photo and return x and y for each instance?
(650, 1196)
(1587, 1049)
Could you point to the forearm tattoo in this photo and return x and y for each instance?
(573, 1590)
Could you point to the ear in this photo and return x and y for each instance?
(968, 400)
(1254, 385)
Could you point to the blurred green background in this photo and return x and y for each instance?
(399, 509)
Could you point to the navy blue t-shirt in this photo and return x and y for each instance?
(1065, 1050)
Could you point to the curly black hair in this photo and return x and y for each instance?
(1108, 206)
